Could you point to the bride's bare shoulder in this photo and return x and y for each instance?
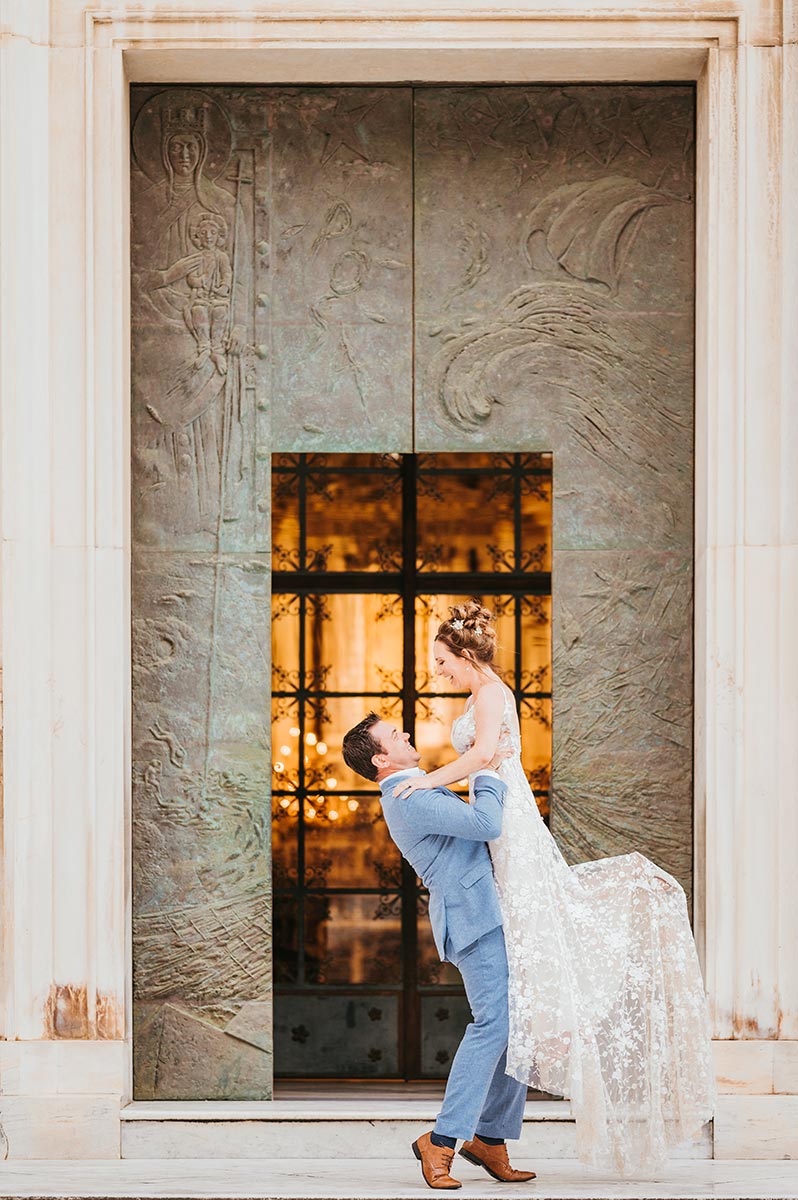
(491, 694)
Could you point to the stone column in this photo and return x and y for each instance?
(747, 587)
(63, 1063)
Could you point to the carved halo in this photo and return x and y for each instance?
(181, 108)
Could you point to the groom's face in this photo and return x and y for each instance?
(397, 749)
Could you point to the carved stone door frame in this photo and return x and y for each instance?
(744, 300)
(704, 52)
(171, 48)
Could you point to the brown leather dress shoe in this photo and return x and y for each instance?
(435, 1163)
(495, 1160)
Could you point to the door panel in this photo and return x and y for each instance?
(554, 311)
(340, 283)
(271, 307)
(200, 595)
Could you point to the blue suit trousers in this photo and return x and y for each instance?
(480, 1098)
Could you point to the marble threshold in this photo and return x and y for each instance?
(371, 1128)
(386, 1179)
(376, 1107)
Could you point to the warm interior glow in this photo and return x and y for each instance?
(338, 654)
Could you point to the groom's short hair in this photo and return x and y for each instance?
(360, 746)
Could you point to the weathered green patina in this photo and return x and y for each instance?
(392, 269)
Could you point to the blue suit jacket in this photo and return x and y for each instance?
(444, 839)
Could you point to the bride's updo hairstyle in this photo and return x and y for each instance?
(470, 633)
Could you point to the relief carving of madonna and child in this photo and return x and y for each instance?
(189, 302)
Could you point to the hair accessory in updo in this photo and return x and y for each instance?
(470, 632)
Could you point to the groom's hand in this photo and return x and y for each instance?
(499, 757)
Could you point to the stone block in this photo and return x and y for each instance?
(744, 1066)
(785, 1068)
(86, 1067)
(65, 1126)
(756, 1127)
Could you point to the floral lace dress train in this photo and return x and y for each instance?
(607, 1003)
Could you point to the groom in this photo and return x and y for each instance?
(444, 839)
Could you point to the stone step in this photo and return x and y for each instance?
(362, 1179)
(373, 1128)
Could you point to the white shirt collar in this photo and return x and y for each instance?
(403, 771)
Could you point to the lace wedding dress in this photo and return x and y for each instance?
(607, 1004)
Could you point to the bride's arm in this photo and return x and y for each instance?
(488, 712)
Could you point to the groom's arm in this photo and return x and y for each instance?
(436, 811)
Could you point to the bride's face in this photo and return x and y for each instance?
(457, 671)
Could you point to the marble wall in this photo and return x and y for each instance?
(64, 485)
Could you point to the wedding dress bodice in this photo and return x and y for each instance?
(464, 728)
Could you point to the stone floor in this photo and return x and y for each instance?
(388, 1179)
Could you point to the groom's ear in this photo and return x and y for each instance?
(380, 761)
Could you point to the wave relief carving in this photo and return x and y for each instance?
(579, 237)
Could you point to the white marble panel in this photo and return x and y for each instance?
(719, 381)
(25, 283)
(786, 706)
(789, 34)
(70, 437)
(110, 788)
(108, 291)
(29, 19)
(372, 1105)
(788, 444)
(44, 1127)
(352, 1140)
(25, 516)
(71, 824)
(64, 1066)
(718, 530)
(720, 784)
(757, 885)
(756, 1127)
(762, 25)
(785, 1068)
(393, 1179)
(744, 1066)
(27, 834)
(760, 136)
(334, 1129)
(308, 1139)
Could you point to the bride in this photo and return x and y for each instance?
(607, 1004)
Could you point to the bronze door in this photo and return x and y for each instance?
(407, 271)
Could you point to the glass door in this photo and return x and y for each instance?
(368, 553)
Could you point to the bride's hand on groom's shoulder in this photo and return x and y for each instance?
(408, 786)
